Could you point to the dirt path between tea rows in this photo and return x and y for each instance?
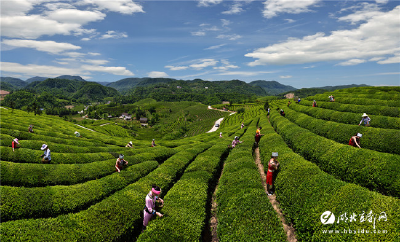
(290, 233)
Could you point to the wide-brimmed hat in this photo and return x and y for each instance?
(121, 156)
(16, 140)
(359, 135)
(153, 139)
(130, 142)
(75, 132)
(365, 115)
(274, 154)
(44, 146)
(236, 137)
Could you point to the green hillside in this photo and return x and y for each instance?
(79, 196)
(15, 82)
(272, 87)
(73, 89)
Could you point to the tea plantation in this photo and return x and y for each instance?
(326, 189)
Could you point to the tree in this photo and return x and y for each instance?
(266, 106)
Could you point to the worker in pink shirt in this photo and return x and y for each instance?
(14, 144)
(150, 208)
(236, 141)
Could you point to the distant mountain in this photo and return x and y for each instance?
(332, 88)
(15, 82)
(104, 83)
(73, 89)
(68, 77)
(305, 92)
(198, 86)
(124, 85)
(272, 87)
(7, 86)
(36, 78)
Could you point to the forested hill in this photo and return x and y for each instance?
(305, 92)
(16, 83)
(36, 78)
(197, 86)
(272, 87)
(72, 89)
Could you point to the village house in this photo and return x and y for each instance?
(143, 121)
(3, 93)
(125, 116)
(289, 95)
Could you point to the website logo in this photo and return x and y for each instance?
(327, 217)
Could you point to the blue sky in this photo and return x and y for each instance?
(307, 43)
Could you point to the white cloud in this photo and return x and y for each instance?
(230, 37)
(213, 28)
(12, 8)
(37, 70)
(58, 5)
(199, 33)
(204, 63)
(206, 3)
(391, 60)
(157, 74)
(274, 7)
(285, 77)
(62, 62)
(308, 67)
(120, 6)
(96, 62)
(351, 62)
(290, 20)
(376, 58)
(376, 38)
(113, 35)
(94, 54)
(382, 1)
(388, 73)
(226, 66)
(85, 39)
(74, 54)
(215, 47)
(244, 73)
(176, 68)
(225, 22)
(75, 16)
(368, 11)
(121, 71)
(235, 9)
(46, 46)
(34, 26)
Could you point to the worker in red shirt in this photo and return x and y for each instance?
(14, 144)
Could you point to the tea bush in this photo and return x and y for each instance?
(371, 169)
(383, 140)
(305, 193)
(244, 212)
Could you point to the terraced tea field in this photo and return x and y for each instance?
(80, 197)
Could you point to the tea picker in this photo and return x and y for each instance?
(14, 144)
(129, 145)
(355, 140)
(150, 207)
(120, 163)
(273, 165)
(365, 119)
(46, 156)
(236, 141)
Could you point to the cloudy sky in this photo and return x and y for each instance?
(302, 43)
